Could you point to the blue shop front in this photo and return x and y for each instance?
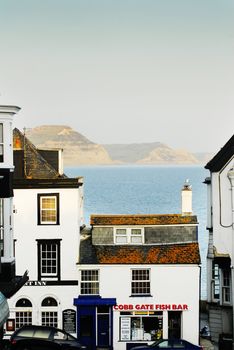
(95, 321)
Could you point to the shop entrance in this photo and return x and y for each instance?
(103, 327)
(174, 324)
(95, 322)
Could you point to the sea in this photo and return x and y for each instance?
(146, 189)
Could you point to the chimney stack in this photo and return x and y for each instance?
(186, 196)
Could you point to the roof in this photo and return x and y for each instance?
(142, 219)
(29, 163)
(32, 170)
(222, 157)
(186, 253)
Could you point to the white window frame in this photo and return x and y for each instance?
(143, 284)
(92, 284)
(226, 286)
(1, 143)
(215, 282)
(125, 235)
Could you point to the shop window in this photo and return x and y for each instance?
(147, 327)
(49, 314)
(48, 259)
(1, 144)
(23, 313)
(140, 284)
(48, 209)
(226, 290)
(89, 282)
(128, 235)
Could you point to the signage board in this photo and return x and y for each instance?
(69, 320)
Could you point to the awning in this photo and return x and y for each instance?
(4, 309)
(94, 301)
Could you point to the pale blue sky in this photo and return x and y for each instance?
(122, 71)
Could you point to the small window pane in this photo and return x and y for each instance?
(122, 239)
(136, 231)
(121, 231)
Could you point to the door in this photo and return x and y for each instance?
(174, 324)
(103, 331)
(86, 334)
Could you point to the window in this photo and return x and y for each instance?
(23, 314)
(226, 291)
(49, 314)
(89, 282)
(215, 282)
(1, 143)
(147, 326)
(48, 209)
(1, 227)
(129, 235)
(48, 259)
(140, 284)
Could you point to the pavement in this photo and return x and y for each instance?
(208, 345)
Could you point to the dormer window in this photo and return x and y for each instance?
(129, 236)
(1, 143)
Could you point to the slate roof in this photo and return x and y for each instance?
(32, 170)
(142, 219)
(186, 253)
(222, 157)
(29, 164)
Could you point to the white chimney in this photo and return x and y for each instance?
(186, 197)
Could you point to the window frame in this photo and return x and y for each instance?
(140, 283)
(1, 143)
(128, 235)
(49, 313)
(86, 284)
(23, 312)
(126, 321)
(40, 197)
(226, 286)
(48, 276)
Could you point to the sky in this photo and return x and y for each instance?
(122, 71)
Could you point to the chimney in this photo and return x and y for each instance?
(186, 197)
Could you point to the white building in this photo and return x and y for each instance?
(139, 279)
(9, 282)
(48, 213)
(220, 224)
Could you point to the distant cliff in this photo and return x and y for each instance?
(78, 150)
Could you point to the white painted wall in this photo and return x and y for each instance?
(222, 211)
(170, 284)
(27, 230)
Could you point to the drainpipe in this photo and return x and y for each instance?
(231, 179)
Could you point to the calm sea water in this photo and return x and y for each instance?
(145, 190)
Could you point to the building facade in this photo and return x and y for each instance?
(48, 213)
(10, 283)
(220, 224)
(139, 279)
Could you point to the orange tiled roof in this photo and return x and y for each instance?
(187, 253)
(142, 219)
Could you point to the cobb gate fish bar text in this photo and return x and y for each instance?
(150, 307)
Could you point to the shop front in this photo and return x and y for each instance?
(95, 321)
(146, 323)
